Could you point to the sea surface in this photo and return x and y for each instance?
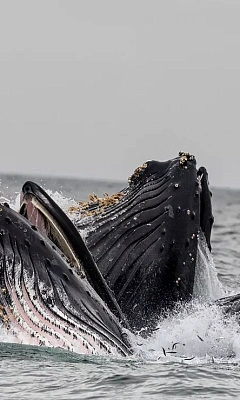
(193, 354)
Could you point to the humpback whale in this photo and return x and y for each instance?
(143, 239)
(44, 298)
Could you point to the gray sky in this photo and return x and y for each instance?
(93, 88)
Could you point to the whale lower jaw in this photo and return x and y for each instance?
(44, 302)
(31, 321)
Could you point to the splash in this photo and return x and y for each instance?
(62, 201)
(197, 334)
(207, 286)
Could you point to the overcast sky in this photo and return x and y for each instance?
(94, 88)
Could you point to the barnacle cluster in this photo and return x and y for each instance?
(185, 157)
(137, 172)
(96, 205)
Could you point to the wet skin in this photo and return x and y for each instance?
(145, 244)
(42, 297)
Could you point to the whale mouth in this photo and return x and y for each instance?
(36, 212)
(32, 210)
(40, 210)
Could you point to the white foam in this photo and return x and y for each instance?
(201, 333)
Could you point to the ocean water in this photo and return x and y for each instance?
(192, 354)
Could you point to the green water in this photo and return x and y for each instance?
(35, 373)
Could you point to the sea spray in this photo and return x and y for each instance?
(207, 286)
(198, 333)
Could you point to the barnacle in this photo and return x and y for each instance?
(185, 156)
